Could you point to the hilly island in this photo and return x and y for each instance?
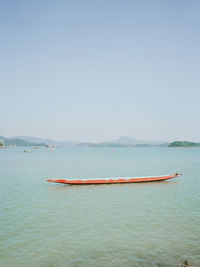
(184, 144)
(17, 142)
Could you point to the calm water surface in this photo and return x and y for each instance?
(149, 224)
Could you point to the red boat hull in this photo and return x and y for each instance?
(114, 180)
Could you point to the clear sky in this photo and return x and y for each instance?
(98, 70)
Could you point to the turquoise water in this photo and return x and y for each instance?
(149, 224)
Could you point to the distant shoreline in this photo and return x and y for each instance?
(120, 142)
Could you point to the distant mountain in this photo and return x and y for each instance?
(19, 142)
(37, 140)
(126, 141)
(46, 141)
(123, 141)
(133, 141)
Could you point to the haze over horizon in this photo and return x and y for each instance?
(114, 139)
(99, 70)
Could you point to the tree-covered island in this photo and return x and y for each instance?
(184, 144)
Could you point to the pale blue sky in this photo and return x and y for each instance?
(97, 70)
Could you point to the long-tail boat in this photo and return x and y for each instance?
(118, 180)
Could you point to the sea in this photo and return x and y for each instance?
(147, 224)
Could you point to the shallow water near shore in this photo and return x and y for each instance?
(147, 224)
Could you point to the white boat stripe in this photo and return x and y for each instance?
(113, 178)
